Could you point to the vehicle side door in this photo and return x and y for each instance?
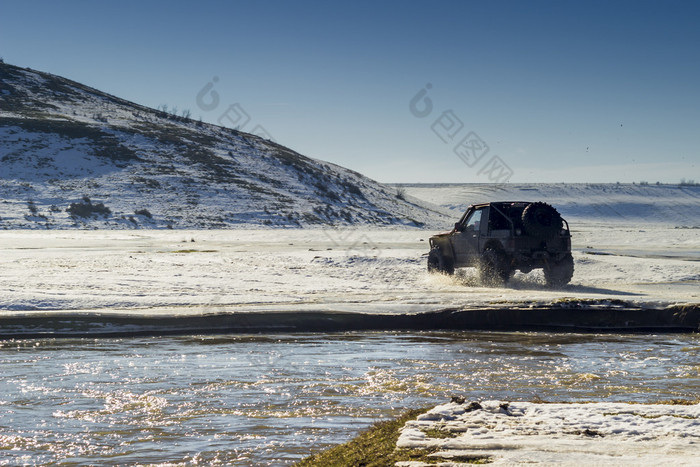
(465, 242)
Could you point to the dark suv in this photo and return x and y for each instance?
(500, 238)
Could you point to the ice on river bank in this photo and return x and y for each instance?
(561, 434)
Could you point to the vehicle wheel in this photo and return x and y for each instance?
(437, 262)
(541, 220)
(558, 274)
(493, 268)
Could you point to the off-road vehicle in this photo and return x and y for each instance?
(500, 238)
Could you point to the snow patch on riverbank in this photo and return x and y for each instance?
(563, 434)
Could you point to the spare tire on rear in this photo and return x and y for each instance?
(541, 220)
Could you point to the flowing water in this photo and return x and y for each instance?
(271, 400)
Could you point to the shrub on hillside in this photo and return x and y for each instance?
(401, 193)
(87, 209)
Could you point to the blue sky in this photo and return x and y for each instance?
(541, 91)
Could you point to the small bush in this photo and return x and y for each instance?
(87, 209)
(144, 212)
(401, 193)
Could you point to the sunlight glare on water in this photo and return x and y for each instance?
(257, 400)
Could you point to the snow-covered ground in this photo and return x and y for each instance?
(557, 434)
(369, 270)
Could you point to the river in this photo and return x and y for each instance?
(272, 400)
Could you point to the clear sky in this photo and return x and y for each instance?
(540, 91)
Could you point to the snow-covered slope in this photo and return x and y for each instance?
(72, 156)
(677, 205)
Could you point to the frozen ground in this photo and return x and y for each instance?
(558, 434)
(380, 271)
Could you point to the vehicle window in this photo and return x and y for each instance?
(498, 221)
(474, 221)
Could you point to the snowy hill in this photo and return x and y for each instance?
(677, 205)
(74, 157)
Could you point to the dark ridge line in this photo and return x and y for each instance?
(580, 319)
